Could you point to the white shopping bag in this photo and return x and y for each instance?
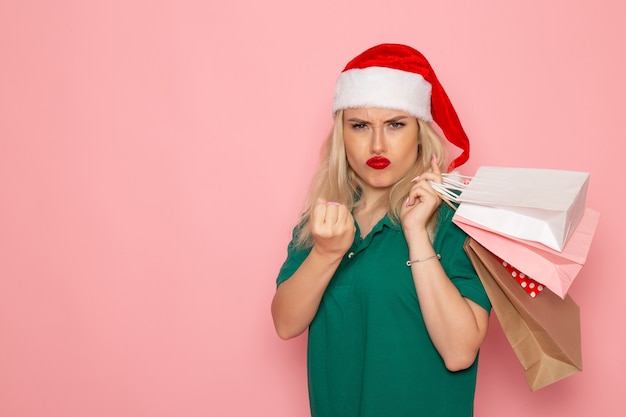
(540, 205)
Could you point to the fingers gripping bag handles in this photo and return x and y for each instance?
(544, 332)
(540, 205)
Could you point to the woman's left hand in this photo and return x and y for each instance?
(422, 201)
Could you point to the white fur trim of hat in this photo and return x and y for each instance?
(385, 88)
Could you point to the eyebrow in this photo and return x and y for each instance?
(393, 119)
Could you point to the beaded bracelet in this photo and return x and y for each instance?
(409, 263)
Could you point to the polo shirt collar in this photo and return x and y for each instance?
(385, 222)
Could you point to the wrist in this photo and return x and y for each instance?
(419, 260)
(416, 236)
(419, 245)
(330, 256)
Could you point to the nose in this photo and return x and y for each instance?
(378, 140)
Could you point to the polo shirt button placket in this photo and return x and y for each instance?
(350, 255)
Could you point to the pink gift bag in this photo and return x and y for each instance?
(554, 269)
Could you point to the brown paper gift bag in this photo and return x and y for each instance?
(543, 331)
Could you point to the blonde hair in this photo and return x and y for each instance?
(336, 181)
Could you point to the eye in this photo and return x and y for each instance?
(358, 126)
(396, 125)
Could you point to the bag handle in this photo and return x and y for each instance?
(451, 188)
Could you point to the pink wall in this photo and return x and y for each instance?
(154, 156)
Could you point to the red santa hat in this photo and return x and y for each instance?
(399, 77)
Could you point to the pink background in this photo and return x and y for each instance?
(154, 156)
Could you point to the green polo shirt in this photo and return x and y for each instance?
(369, 353)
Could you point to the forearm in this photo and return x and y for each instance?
(296, 300)
(456, 325)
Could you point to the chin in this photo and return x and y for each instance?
(381, 184)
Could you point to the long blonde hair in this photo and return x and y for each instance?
(336, 181)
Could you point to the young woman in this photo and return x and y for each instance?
(376, 270)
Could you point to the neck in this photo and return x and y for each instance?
(374, 200)
(369, 211)
(373, 205)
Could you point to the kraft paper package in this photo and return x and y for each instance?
(544, 331)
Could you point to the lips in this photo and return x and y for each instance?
(378, 162)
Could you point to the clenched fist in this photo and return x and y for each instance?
(332, 228)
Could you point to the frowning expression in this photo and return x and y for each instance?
(381, 145)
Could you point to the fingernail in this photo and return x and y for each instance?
(332, 203)
(416, 179)
(406, 203)
(435, 159)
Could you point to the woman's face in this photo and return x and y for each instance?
(381, 145)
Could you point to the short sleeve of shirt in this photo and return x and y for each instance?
(295, 257)
(449, 241)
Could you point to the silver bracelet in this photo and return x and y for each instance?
(409, 263)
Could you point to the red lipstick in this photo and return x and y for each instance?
(378, 162)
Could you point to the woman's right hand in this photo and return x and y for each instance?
(297, 299)
(332, 228)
